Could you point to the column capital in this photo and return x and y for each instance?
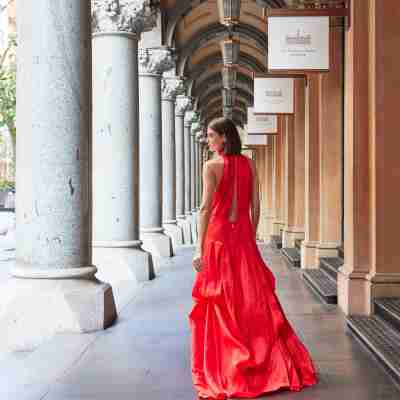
(123, 16)
(190, 117)
(155, 60)
(200, 136)
(171, 86)
(196, 128)
(182, 104)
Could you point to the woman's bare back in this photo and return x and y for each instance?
(218, 169)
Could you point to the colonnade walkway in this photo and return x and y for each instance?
(146, 354)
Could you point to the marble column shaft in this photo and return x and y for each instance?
(294, 162)
(183, 103)
(312, 181)
(192, 171)
(371, 257)
(270, 212)
(58, 292)
(187, 168)
(116, 142)
(170, 87)
(331, 149)
(152, 63)
(278, 200)
(190, 117)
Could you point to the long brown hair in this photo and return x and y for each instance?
(225, 126)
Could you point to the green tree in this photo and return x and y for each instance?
(8, 92)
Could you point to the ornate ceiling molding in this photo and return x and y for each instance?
(184, 7)
(246, 61)
(242, 81)
(217, 32)
(215, 92)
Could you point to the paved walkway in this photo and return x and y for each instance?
(146, 355)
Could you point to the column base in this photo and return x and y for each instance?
(384, 284)
(289, 236)
(269, 227)
(261, 226)
(309, 257)
(354, 292)
(157, 243)
(277, 226)
(327, 249)
(33, 310)
(187, 230)
(193, 225)
(357, 290)
(117, 262)
(175, 232)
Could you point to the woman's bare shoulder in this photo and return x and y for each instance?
(213, 162)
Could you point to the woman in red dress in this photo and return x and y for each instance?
(242, 343)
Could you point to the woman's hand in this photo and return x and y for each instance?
(197, 261)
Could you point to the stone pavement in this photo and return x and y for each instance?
(146, 354)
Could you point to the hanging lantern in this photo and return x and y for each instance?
(229, 12)
(230, 49)
(227, 112)
(228, 97)
(229, 75)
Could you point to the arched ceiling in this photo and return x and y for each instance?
(193, 28)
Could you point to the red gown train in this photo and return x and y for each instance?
(242, 343)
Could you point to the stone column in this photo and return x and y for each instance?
(289, 180)
(193, 170)
(170, 87)
(53, 286)
(269, 163)
(190, 117)
(278, 200)
(299, 159)
(259, 161)
(331, 150)
(195, 128)
(152, 63)
(311, 182)
(372, 195)
(294, 161)
(183, 103)
(116, 245)
(199, 169)
(202, 150)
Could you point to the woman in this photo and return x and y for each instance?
(242, 343)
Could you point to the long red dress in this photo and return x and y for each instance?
(242, 343)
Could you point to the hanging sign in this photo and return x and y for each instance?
(298, 43)
(261, 123)
(256, 140)
(273, 96)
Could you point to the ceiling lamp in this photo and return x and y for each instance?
(229, 76)
(228, 97)
(229, 12)
(230, 49)
(228, 112)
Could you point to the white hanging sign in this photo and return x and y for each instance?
(298, 43)
(261, 123)
(273, 95)
(256, 140)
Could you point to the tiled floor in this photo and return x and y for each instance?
(146, 355)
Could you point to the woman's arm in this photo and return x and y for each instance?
(255, 199)
(209, 186)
